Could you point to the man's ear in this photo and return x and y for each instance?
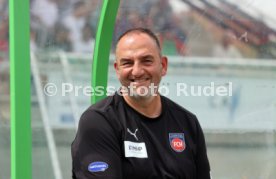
(164, 63)
(116, 67)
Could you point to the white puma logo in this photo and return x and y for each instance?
(133, 133)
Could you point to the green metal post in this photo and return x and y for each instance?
(103, 46)
(20, 90)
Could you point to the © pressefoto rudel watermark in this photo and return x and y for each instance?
(180, 89)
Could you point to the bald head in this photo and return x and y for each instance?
(141, 31)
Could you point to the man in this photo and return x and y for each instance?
(137, 133)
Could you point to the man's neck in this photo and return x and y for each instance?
(150, 107)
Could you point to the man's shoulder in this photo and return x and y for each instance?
(183, 115)
(105, 104)
(171, 105)
(103, 110)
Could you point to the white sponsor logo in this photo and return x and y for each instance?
(134, 149)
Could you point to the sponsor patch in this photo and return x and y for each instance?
(177, 141)
(97, 167)
(135, 149)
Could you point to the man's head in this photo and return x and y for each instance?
(142, 30)
(139, 64)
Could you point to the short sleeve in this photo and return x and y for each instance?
(96, 151)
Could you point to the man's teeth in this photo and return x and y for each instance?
(139, 80)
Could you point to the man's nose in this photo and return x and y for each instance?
(137, 70)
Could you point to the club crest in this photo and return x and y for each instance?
(177, 141)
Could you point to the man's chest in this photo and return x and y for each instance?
(157, 150)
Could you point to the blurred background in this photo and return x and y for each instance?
(230, 43)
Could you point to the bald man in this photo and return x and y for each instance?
(138, 133)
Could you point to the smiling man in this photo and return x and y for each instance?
(140, 67)
(137, 133)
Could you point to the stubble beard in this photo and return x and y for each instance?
(141, 92)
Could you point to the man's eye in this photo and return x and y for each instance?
(148, 61)
(126, 63)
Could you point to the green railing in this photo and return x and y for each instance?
(20, 94)
(20, 72)
(103, 46)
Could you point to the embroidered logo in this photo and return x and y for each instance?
(133, 133)
(177, 141)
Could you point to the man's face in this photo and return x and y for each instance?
(138, 63)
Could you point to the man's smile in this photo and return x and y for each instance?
(139, 82)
